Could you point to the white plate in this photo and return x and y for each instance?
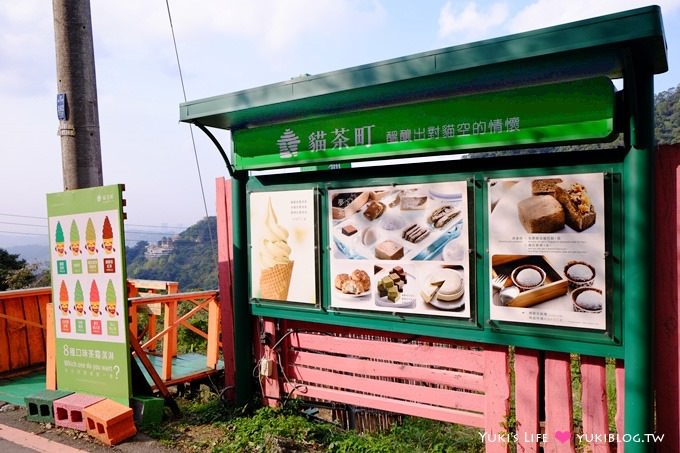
(453, 305)
(454, 251)
(358, 297)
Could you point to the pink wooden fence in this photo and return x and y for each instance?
(452, 381)
(473, 384)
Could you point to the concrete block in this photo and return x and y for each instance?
(40, 405)
(68, 411)
(109, 422)
(148, 410)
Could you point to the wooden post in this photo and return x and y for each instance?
(50, 356)
(213, 352)
(169, 340)
(79, 128)
(225, 277)
(497, 396)
(558, 404)
(527, 397)
(667, 288)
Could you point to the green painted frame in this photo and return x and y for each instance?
(629, 45)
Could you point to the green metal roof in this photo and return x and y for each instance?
(607, 45)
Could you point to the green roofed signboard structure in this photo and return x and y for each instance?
(515, 243)
(89, 291)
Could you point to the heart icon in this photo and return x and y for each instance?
(562, 436)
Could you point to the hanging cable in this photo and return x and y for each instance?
(191, 131)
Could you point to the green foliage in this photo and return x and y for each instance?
(414, 435)
(289, 429)
(667, 116)
(192, 261)
(188, 341)
(15, 273)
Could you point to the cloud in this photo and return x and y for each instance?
(461, 22)
(469, 22)
(545, 13)
(27, 62)
(267, 25)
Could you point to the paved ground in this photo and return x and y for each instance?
(22, 436)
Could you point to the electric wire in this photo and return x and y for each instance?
(191, 131)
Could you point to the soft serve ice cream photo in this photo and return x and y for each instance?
(282, 246)
(277, 267)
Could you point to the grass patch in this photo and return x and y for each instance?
(208, 425)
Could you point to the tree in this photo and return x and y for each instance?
(667, 116)
(9, 265)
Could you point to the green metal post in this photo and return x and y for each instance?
(242, 318)
(638, 296)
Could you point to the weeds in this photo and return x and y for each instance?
(208, 425)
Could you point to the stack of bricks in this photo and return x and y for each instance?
(105, 420)
(109, 422)
(68, 411)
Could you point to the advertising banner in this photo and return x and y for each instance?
(547, 249)
(283, 246)
(89, 291)
(565, 111)
(401, 249)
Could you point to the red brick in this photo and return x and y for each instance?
(109, 422)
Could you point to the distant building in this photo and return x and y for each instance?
(162, 248)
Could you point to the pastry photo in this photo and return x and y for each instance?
(546, 205)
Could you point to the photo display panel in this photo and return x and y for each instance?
(401, 249)
(547, 250)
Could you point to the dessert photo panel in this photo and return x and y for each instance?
(282, 246)
(410, 240)
(547, 247)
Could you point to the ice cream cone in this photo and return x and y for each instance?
(275, 281)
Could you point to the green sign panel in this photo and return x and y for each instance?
(567, 111)
(89, 291)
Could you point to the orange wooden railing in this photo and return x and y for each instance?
(24, 317)
(22, 324)
(155, 305)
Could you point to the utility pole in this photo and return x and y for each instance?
(77, 106)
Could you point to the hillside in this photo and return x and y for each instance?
(191, 258)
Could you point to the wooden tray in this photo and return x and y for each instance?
(555, 285)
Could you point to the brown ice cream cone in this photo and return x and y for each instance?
(275, 281)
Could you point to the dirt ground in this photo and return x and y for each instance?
(15, 416)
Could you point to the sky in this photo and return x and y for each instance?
(223, 46)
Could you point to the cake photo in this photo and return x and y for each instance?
(528, 277)
(444, 285)
(579, 211)
(541, 214)
(357, 283)
(579, 274)
(588, 300)
(554, 204)
(345, 204)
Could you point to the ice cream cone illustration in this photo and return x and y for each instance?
(94, 299)
(63, 299)
(111, 300)
(75, 239)
(277, 267)
(90, 238)
(107, 237)
(59, 240)
(78, 300)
